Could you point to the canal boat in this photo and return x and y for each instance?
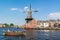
(13, 33)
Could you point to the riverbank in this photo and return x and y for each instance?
(49, 28)
(42, 28)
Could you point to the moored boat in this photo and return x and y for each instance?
(14, 33)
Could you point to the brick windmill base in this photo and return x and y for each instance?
(28, 19)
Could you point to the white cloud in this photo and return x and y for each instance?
(14, 9)
(20, 9)
(17, 9)
(25, 7)
(55, 15)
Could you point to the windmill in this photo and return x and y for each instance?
(29, 11)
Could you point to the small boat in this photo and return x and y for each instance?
(13, 33)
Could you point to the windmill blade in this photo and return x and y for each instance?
(35, 11)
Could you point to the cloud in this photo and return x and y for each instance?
(26, 8)
(55, 15)
(17, 9)
(20, 9)
(14, 9)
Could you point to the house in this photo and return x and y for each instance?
(2, 25)
(43, 24)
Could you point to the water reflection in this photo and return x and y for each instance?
(34, 35)
(14, 38)
(42, 35)
(31, 35)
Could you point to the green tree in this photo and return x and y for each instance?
(11, 25)
(7, 25)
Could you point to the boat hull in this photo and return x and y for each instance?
(14, 33)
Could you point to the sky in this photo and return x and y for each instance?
(12, 11)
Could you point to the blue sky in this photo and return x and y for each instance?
(11, 11)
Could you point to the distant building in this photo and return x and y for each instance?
(2, 25)
(43, 24)
(46, 24)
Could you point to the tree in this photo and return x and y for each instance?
(11, 25)
(7, 25)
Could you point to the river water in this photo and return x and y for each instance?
(32, 34)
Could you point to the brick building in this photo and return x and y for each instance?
(43, 24)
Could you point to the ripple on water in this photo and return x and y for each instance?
(35, 35)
